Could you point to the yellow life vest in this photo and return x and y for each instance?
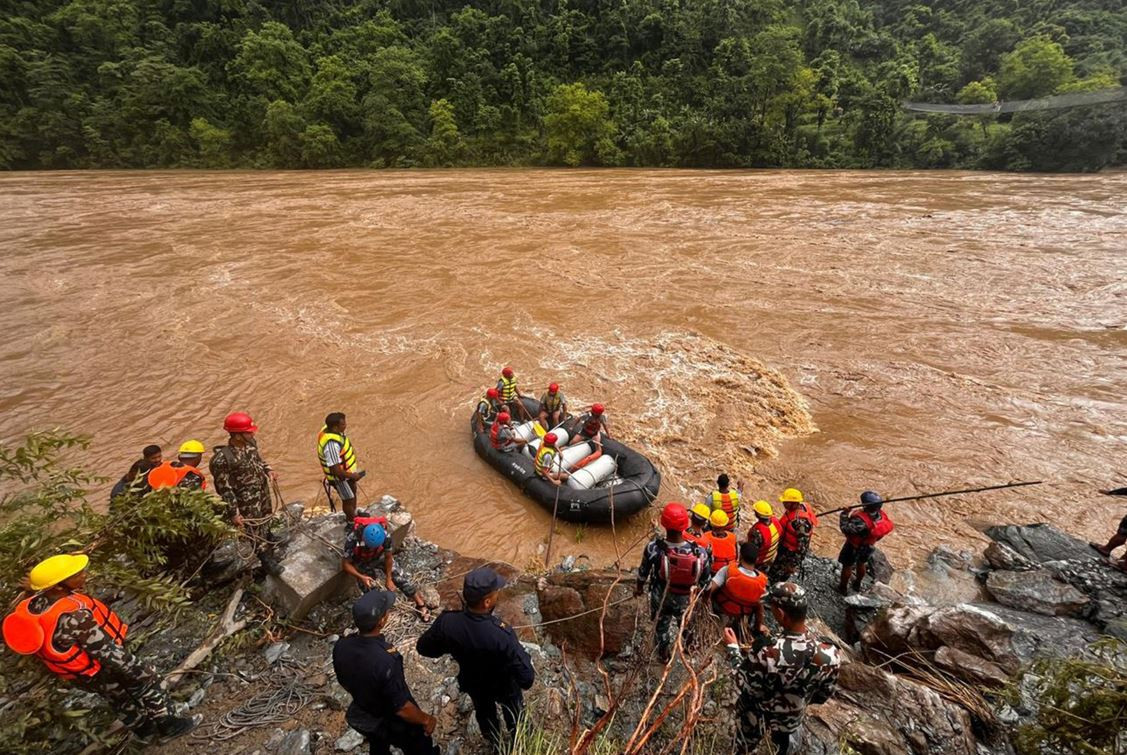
(545, 458)
(347, 455)
(729, 503)
(507, 388)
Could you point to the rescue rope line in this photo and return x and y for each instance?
(573, 616)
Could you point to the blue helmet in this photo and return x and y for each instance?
(374, 535)
(869, 498)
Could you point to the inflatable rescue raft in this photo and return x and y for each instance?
(619, 475)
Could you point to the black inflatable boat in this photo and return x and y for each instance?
(631, 488)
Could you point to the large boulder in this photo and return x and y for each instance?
(563, 597)
(1042, 542)
(1002, 556)
(877, 713)
(1038, 591)
(970, 668)
(311, 570)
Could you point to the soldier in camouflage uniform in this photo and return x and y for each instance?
(797, 525)
(242, 479)
(778, 676)
(86, 646)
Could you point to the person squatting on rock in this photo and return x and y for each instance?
(797, 525)
(81, 640)
(242, 479)
(779, 675)
(672, 566)
(862, 530)
(493, 667)
(371, 670)
(338, 463)
(368, 558)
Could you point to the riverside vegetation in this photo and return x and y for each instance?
(793, 83)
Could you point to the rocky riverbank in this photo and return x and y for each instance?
(933, 659)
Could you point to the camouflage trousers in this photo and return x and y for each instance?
(785, 566)
(374, 569)
(137, 702)
(668, 611)
(754, 726)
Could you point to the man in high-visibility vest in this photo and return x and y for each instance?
(547, 461)
(553, 407)
(510, 394)
(727, 500)
(765, 534)
(338, 462)
(797, 526)
(81, 640)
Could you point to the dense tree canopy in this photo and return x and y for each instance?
(709, 83)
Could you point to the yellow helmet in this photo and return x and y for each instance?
(719, 518)
(52, 571)
(763, 509)
(701, 510)
(191, 448)
(791, 495)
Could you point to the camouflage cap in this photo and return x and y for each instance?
(787, 595)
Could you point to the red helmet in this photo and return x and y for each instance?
(597, 409)
(507, 372)
(550, 439)
(239, 422)
(674, 517)
(492, 393)
(554, 388)
(503, 417)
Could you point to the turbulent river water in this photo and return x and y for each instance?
(837, 331)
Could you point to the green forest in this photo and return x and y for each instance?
(690, 83)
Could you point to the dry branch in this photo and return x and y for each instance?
(227, 627)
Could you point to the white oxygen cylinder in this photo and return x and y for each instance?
(524, 431)
(561, 440)
(592, 474)
(572, 455)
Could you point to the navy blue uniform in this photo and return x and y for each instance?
(372, 672)
(493, 667)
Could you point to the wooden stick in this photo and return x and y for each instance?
(227, 627)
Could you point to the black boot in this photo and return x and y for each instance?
(173, 727)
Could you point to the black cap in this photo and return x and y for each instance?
(371, 607)
(480, 582)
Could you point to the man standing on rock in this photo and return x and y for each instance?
(242, 479)
(797, 525)
(493, 667)
(338, 463)
(672, 566)
(862, 531)
(778, 676)
(1118, 539)
(382, 707)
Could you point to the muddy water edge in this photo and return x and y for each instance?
(833, 330)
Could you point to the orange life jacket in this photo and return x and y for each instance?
(729, 503)
(494, 435)
(725, 549)
(25, 630)
(877, 529)
(790, 539)
(769, 533)
(169, 476)
(693, 537)
(741, 594)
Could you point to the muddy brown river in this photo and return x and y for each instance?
(837, 331)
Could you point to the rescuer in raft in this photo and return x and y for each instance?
(545, 462)
(83, 641)
(488, 408)
(862, 531)
(182, 473)
(502, 436)
(592, 425)
(797, 525)
(509, 393)
(553, 407)
(338, 463)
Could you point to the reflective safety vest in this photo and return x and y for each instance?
(33, 633)
(169, 474)
(347, 455)
(789, 541)
(725, 549)
(769, 534)
(679, 569)
(550, 403)
(363, 552)
(729, 503)
(487, 407)
(741, 594)
(545, 460)
(877, 529)
(507, 387)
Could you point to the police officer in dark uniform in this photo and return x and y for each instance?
(493, 667)
(382, 708)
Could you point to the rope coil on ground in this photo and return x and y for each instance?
(271, 706)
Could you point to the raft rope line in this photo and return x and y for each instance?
(271, 706)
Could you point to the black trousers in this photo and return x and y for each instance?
(409, 738)
(485, 707)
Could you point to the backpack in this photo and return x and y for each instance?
(679, 569)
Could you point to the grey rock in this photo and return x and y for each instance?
(1042, 542)
(1001, 556)
(338, 696)
(465, 703)
(295, 510)
(197, 697)
(568, 564)
(970, 668)
(273, 652)
(532, 648)
(390, 503)
(1038, 591)
(332, 638)
(297, 742)
(230, 560)
(275, 740)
